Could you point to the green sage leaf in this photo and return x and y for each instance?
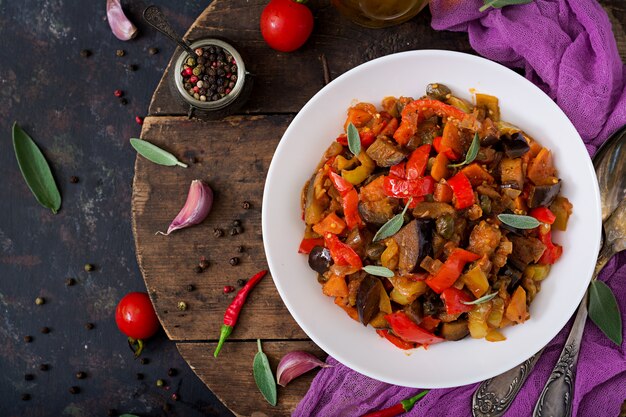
(392, 226)
(604, 311)
(518, 221)
(472, 152)
(155, 154)
(354, 140)
(379, 271)
(497, 4)
(35, 170)
(480, 300)
(263, 376)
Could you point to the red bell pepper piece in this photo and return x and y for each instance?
(451, 270)
(543, 214)
(553, 251)
(340, 183)
(406, 329)
(446, 150)
(400, 188)
(416, 165)
(402, 344)
(398, 170)
(418, 110)
(367, 138)
(308, 244)
(430, 323)
(453, 297)
(341, 253)
(350, 200)
(462, 190)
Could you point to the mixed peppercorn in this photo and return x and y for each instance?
(211, 75)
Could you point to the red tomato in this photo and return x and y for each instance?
(286, 24)
(135, 316)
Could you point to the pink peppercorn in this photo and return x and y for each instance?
(193, 79)
(227, 91)
(187, 72)
(118, 93)
(139, 120)
(228, 289)
(196, 89)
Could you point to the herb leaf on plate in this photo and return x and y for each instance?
(155, 154)
(604, 311)
(472, 152)
(35, 170)
(379, 271)
(263, 376)
(354, 140)
(392, 226)
(480, 300)
(519, 221)
(498, 4)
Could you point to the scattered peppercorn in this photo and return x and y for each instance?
(45, 330)
(25, 397)
(44, 367)
(89, 326)
(145, 361)
(246, 205)
(29, 377)
(182, 306)
(241, 282)
(74, 390)
(112, 412)
(236, 230)
(204, 264)
(89, 267)
(81, 375)
(153, 51)
(167, 407)
(228, 289)
(133, 67)
(190, 288)
(120, 52)
(139, 376)
(123, 101)
(40, 301)
(198, 269)
(74, 179)
(234, 261)
(160, 382)
(175, 396)
(70, 281)
(139, 120)
(236, 223)
(85, 53)
(28, 339)
(118, 93)
(217, 232)
(240, 249)
(172, 372)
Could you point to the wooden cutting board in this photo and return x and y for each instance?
(233, 156)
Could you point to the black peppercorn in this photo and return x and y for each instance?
(167, 407)
(45, 330)
(89, 267)
(220, 81)
(120, 52)
(171, 372)
(201, 60)
(25, 397)
(153, 51)
(139, 376)
(236, 223)
(70, 281)
(246, 205)
(240, 249)
(211, 50)
(74, 390)
(133, 67)
(204, 264)
(81, 375)
(215, 97)
(112, 412)
(89, 326)
(218, 232)
(234, 261)
(29, 377)
(198, 269)
(241, 282)
(123, 101)
(190, 288)
(233, 77)
(145, 361)
(236, 230)
(44, 367)
(85, 53)
(74, 179)
(28, 339)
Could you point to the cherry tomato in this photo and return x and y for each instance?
(286, 24)
(135, 316)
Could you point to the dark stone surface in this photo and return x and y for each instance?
(66, 103)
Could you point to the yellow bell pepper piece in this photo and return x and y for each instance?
(360, 173)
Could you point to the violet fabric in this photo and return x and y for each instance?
(567, 48)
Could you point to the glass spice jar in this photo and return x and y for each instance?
(215, 83)
(379, 13)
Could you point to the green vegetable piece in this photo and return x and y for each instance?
(155, 154)
(35, 170)
(604, 311)
(480, 300)
(392, 226)
(472, 152)
(354, 140)
(518, 221)
(379, 271)
(263, 376)
(497, 4)
(410, 402)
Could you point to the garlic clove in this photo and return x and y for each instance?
(296, 363)
(196, 208)
(122, 28)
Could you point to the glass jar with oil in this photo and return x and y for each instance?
(379, 13)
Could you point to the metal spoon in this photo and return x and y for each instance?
(155, 17)
(494, 396)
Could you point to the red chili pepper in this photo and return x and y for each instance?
(308, 244)
(453, 297)
(232, 312)
(416, 165)
(403, 407)
(552, 253)
(367, 138)
(446, 150)
(406, 329)
(543, 214)
(400, 188)
(451, 270)
(341, 253)
(462, 190)
(350, 200)
(402, 344)
(418, 110)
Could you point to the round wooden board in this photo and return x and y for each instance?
(233, 156)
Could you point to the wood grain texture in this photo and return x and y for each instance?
(232, 380)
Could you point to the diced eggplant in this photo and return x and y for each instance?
(313, 207)
(445, 226)
(377, 212)
(415, 242)
(432, 209)
(526, 250)
(320, 259)
(515, 145)
(427, 131)
(432, 304)
(511, 173)
(358, 239)
(415, 311)
(368, 298)
(543, 195)
(438, 91)
(385, 153)
(375, 250)
(455, 330)
(513, 273)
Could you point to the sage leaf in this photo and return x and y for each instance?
(35, 170)
(518, 221)
(379, 271)
(480, 300)
(155, 154)
(263, 375)
(354, 140)
(604, 311)
(472, 152)
(392, 226)
(497, 4)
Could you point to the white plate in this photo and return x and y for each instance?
(319, 122)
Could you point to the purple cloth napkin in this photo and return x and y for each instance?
(567, 48)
